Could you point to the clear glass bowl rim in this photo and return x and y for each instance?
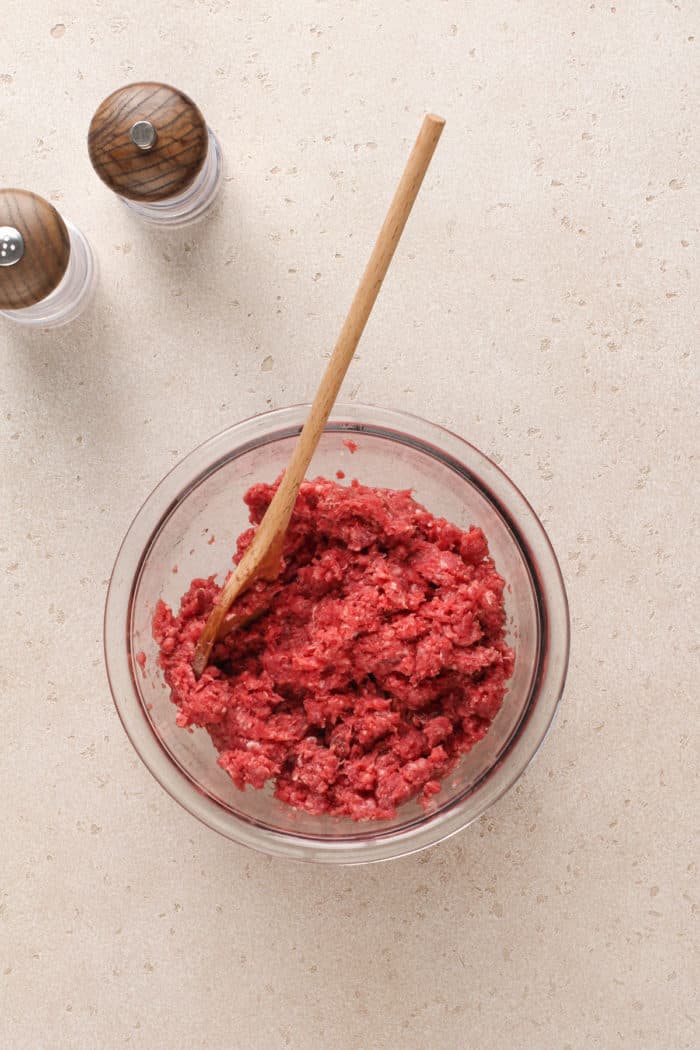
(527, 532)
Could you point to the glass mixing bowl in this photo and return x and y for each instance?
(170, 543)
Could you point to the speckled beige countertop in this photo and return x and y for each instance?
(543, 304)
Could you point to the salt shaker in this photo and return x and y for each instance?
(151, 145)
(47, 269)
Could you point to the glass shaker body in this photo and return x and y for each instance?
(193, 203)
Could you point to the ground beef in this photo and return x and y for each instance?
(378, 657)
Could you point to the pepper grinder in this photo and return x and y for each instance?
(47, 269)
(151, 145)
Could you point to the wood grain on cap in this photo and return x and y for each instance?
(171, 165)
(46, 249)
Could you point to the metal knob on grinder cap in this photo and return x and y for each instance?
(11, 246)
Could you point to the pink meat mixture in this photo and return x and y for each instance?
(378, 658)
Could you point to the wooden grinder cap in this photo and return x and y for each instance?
(148, 142)
(33, 263)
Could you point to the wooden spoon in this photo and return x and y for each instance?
(262, 560)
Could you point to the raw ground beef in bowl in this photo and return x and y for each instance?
(375, 661)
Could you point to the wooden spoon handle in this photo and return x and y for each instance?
(358, 315)
(262, 559)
